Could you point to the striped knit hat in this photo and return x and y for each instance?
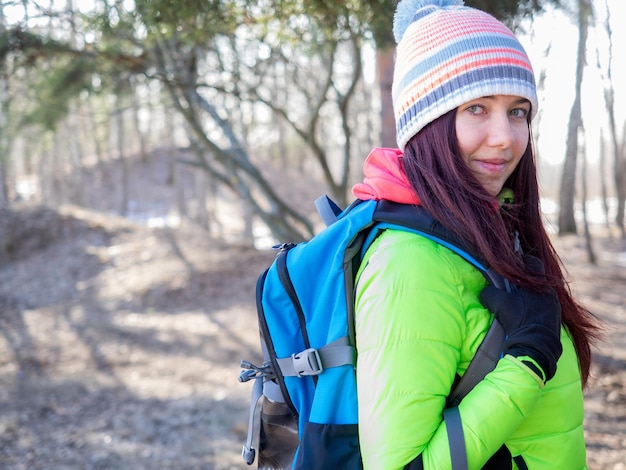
(449, 54)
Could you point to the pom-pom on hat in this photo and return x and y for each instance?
(449, 54)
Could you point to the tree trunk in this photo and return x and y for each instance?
(76, 162)
(567, 221)
(384, 73)
(202, 212)
(122, 159)
(57, 185)
(603, 187)
(618, 164)
(139, 131)
(179, 189)
(5, 101)
(4, 140)
(620, 184)
(591, 257)
(95, 127)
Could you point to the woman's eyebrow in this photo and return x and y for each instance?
(521, 100)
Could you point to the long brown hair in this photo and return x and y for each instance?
(449, 191)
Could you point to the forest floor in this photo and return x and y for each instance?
(120, 344)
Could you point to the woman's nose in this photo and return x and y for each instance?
(501, 133)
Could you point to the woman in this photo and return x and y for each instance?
(464, 96)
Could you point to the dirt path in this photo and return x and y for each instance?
(603, 289)
(120, 345)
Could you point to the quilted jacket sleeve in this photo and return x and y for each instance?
(418, 324)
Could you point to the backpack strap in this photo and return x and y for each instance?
(249, 452)
(263, 386)
(458, 453)
(313, 361)
(327, 209)
(417, 219)
(484, 361)
(521, 464)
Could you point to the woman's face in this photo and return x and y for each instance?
(492, 134)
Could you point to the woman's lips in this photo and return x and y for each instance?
(492, 166)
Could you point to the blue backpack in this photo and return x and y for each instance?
(303, 411)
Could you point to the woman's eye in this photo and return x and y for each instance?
(519, 112)
(474, 109)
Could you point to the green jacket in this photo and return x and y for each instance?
(419, 322)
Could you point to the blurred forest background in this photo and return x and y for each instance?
(239, 94)
(150, 152)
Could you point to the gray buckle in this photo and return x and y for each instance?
(307, 362)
